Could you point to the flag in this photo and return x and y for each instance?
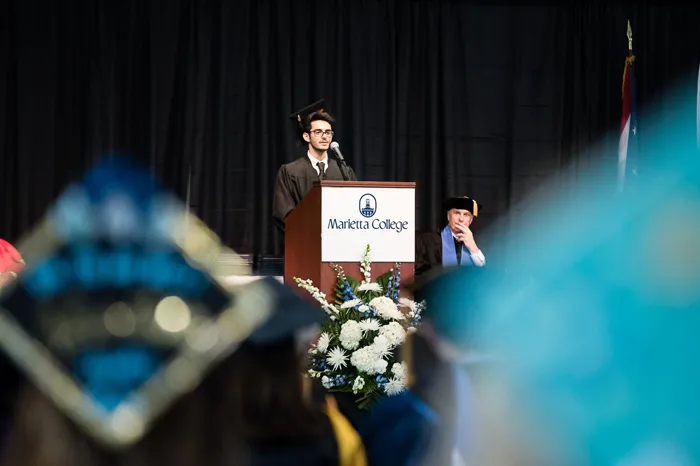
(627, 154)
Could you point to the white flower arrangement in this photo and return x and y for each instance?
(356, 351)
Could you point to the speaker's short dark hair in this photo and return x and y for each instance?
(319, 115)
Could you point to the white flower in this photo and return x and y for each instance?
(364, 359)
(358, 385)
(394, 332)
(380, 366)
(386, 308)
(323, 340)
(317, 295)
(363, 308)
(399, 371)
(314, 374)
(411, 330)
(375, 287)
(405, 302)
(351, 303)
(369, 325)
(326, 382)
(336, 358)
(394, 387)
(350, 335)
(381, 346)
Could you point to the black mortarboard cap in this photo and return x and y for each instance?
(462, 203)
(291, 314)
(299, 116)
(120, 310)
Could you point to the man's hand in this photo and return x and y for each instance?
(466, 236)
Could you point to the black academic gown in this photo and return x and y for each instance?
(324, 451)
(429, 252)
(295, 179)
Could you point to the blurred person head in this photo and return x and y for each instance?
(455, 299)
(451, 367)
(270, 399)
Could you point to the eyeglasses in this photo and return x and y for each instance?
(318, 133)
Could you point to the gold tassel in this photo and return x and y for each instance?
(407, 356)
(628, 61)
(476, 206)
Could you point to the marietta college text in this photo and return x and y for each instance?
(376, 224)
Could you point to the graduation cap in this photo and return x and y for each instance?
(291, 315)
(298, 118)
(119, 311)
(456, 298)
(462, 203)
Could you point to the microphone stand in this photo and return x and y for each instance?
(341, 165)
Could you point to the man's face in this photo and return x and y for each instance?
(320, 137)
(459, 216)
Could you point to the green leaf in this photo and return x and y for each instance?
(338, 294)
(368, 399)
(383, 280)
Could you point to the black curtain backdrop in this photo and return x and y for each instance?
(486, 101)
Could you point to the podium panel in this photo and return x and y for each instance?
(336, 220)
(383, 217)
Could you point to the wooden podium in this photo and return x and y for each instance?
(337, 219)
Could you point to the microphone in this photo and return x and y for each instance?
(335, 147)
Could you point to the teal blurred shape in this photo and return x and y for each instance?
(600, 343)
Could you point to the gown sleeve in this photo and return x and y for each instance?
(283, 201)
(351, 174)
(428, 252)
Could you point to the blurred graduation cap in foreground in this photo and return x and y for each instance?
(291, 315)
(119, 312)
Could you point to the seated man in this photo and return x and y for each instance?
(454, 245)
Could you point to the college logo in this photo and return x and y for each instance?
(368, 205)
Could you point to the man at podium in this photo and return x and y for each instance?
(296, 178)
(455, 244)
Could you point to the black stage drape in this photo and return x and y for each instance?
(486, 101)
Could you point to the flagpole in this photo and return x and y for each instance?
(629, 38)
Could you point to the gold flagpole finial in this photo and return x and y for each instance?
(629, 35)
